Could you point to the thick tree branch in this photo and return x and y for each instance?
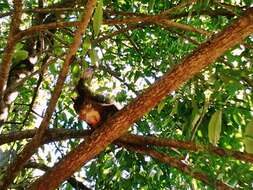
(117, 125)
(36, 141)
(187, 145)
(157, 19)
(52, 135)
(136, 18)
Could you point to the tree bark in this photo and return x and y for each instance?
(36, 141)
(117, 125)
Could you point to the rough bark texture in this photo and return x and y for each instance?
(116, 126)
(36, 141)
(52, 135)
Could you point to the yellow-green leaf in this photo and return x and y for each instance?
(93, 57)
(20, 55)
(248, 142)
(98, 17)
(75, 69)
(248, 137)
(214, 127)
(160, 106)
(195, 120)
(86, 45)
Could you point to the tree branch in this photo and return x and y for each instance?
(179, 165)
(56, 7)
(188, 145)
(157, 19)
(43, 27)
(118, 124)
(31, 147)
(9, 50)
(52, 135)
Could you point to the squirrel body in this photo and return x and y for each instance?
(91, 108)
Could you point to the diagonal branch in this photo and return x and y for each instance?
(169, 23)
(118, 124)
(145, 19)
(30, 148)
(187, 145)
(43, 27)
(157, 19)
(9, 49)
(173, 162)
(64, 134)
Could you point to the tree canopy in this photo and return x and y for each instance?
(180, 73)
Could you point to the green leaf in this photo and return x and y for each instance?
(160, 106)
(195, 119)
(121, 96)
(98, 17)
(20, 55)
(53, 69)
(93, 57)
(86, 45)
(248, 137)
(214, 127)
(68, 187)
(19, 46)
(75, 69)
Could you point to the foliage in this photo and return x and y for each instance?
(127, 61)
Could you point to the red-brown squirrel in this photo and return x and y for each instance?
(91, 108)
